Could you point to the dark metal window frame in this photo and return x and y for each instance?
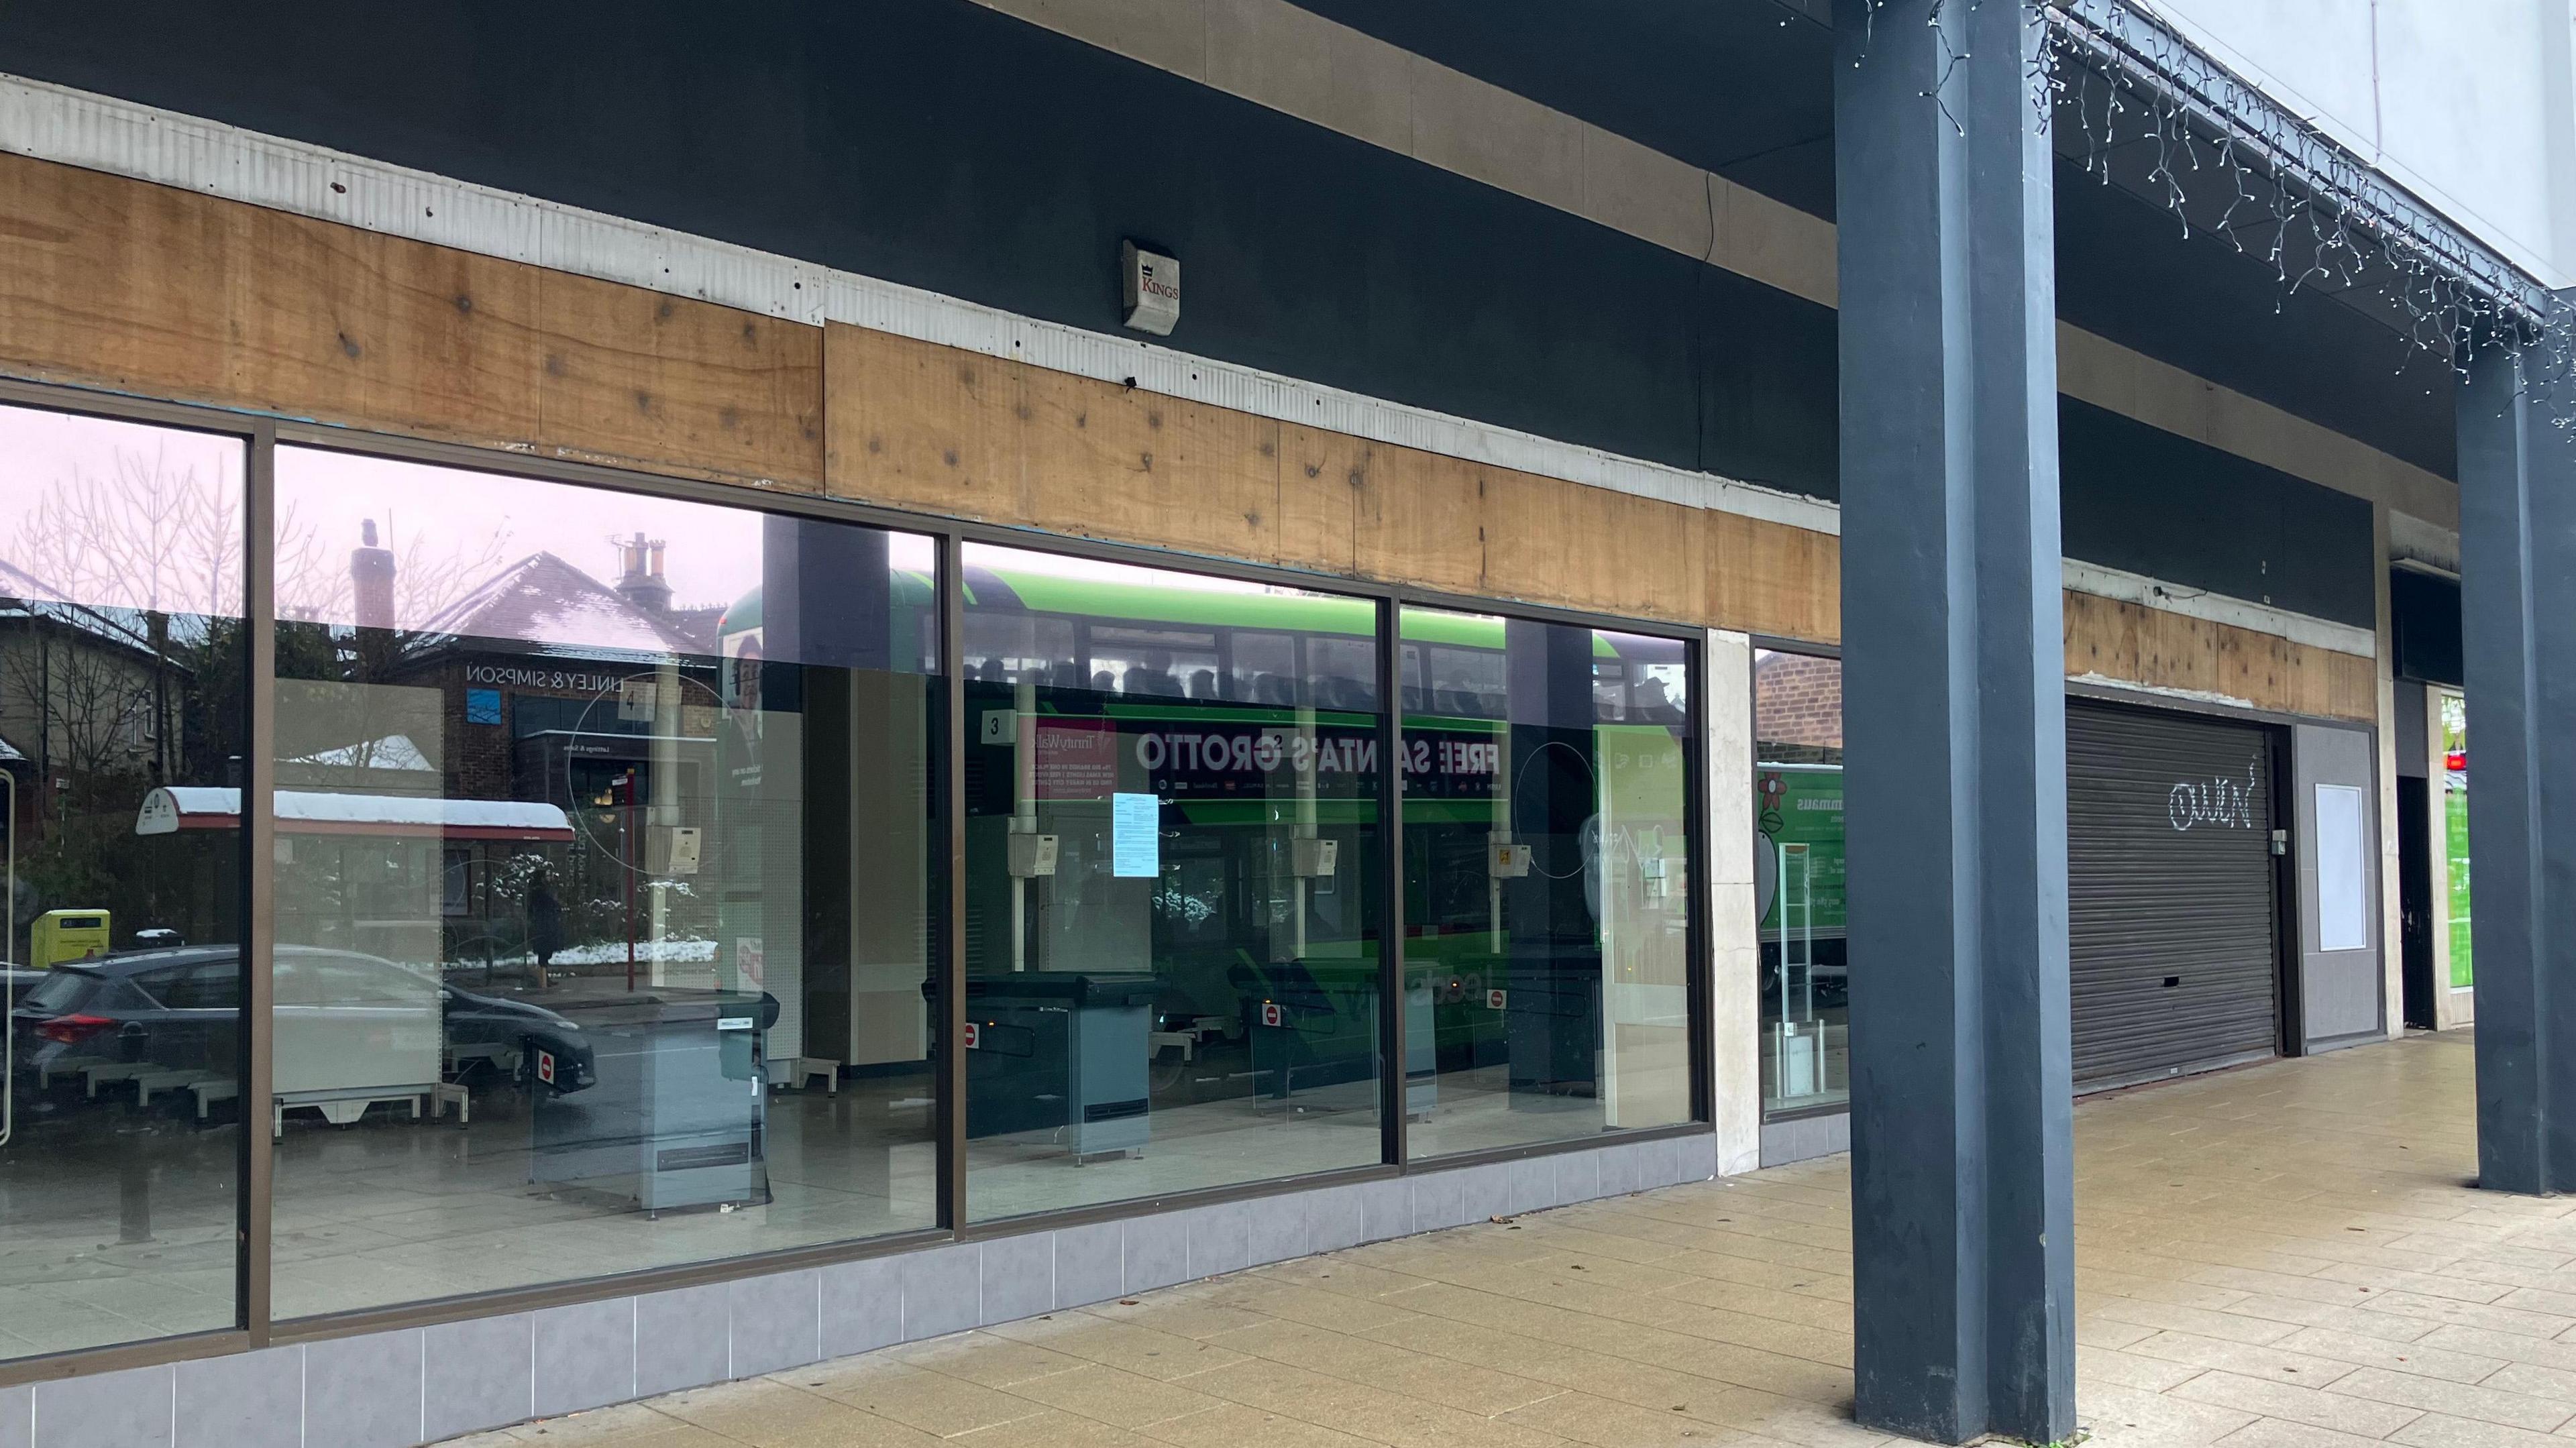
(255, 1325)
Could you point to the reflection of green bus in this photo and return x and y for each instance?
(1251, 715)
(1798, 883)
(2455, 832)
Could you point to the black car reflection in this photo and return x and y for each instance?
(169, 1019)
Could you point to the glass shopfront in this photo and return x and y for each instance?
(1173, 874)
(1547, 904)
(123, 674)
(599, 816)
(1798, 881)
(631, 849)
(2455, 836)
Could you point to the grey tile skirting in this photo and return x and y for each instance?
(400, 1388)
(1802, 1137)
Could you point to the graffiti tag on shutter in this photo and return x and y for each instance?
(2221, 801)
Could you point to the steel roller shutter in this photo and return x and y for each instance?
(2170, 890)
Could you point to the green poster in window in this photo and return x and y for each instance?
(2455, 830)
(1798, 868)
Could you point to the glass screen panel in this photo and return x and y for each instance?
(606, 880)
(2455, 836)
(1172, 863)
(1798, 880)
(1546, 880)
(123, 676)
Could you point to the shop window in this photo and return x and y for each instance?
(1172, 890)
(2455, 834)
(1798, 881)
(123, 680)
(606, 873)
(1545, 778)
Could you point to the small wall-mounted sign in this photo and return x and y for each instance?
(1153, 289)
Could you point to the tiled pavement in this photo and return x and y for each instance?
(2277, 1257)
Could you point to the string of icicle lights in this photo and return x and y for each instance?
(2131, 102)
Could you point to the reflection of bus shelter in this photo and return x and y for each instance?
(347, 904)
(174, 808)
(341, 1055)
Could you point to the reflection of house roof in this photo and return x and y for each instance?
(25, 594)
(394, 751)
(9, 753)
(18, 584)
(698, 624)
(545, 602)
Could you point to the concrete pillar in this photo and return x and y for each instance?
(2518, 636)
(1735, 948)
(1955, 726)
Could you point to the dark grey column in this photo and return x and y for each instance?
(1955, 725)
(2518, 627)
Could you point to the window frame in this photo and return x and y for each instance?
(256, 1326)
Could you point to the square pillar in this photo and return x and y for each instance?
(1955, 724)
(2518, 636)
(1734, 924)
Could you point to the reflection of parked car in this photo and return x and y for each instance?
(518, 1030)
(178, 1011)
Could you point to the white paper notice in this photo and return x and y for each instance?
(2343, 913)
(1135, 835)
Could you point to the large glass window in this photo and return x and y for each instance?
(601, 818)
(612, 881)
(122, 686)
(1547, 896)
(1172, 881)
(1798, 881)
(2455, 833)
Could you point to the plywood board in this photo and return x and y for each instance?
(351, 326)
(159, 292)
(910, 425)
(2252, 665)
(2136, 644)
(1320, 473)
(2352, 686)
(1106, 461)
(111, 282)
(634, 377)
(1593, 549)
(1419, 518)
(1766, 577)
(152, 290)
(91, 291)
(2101, 637)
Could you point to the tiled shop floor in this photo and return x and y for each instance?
(2277, 1257)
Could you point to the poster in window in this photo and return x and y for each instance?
(2343, 886)
(1135, 844)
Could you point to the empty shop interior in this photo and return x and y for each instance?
(533, 781)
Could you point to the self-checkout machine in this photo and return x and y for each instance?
(1313, 1008)
(675, 1116)
(1063, 1041)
